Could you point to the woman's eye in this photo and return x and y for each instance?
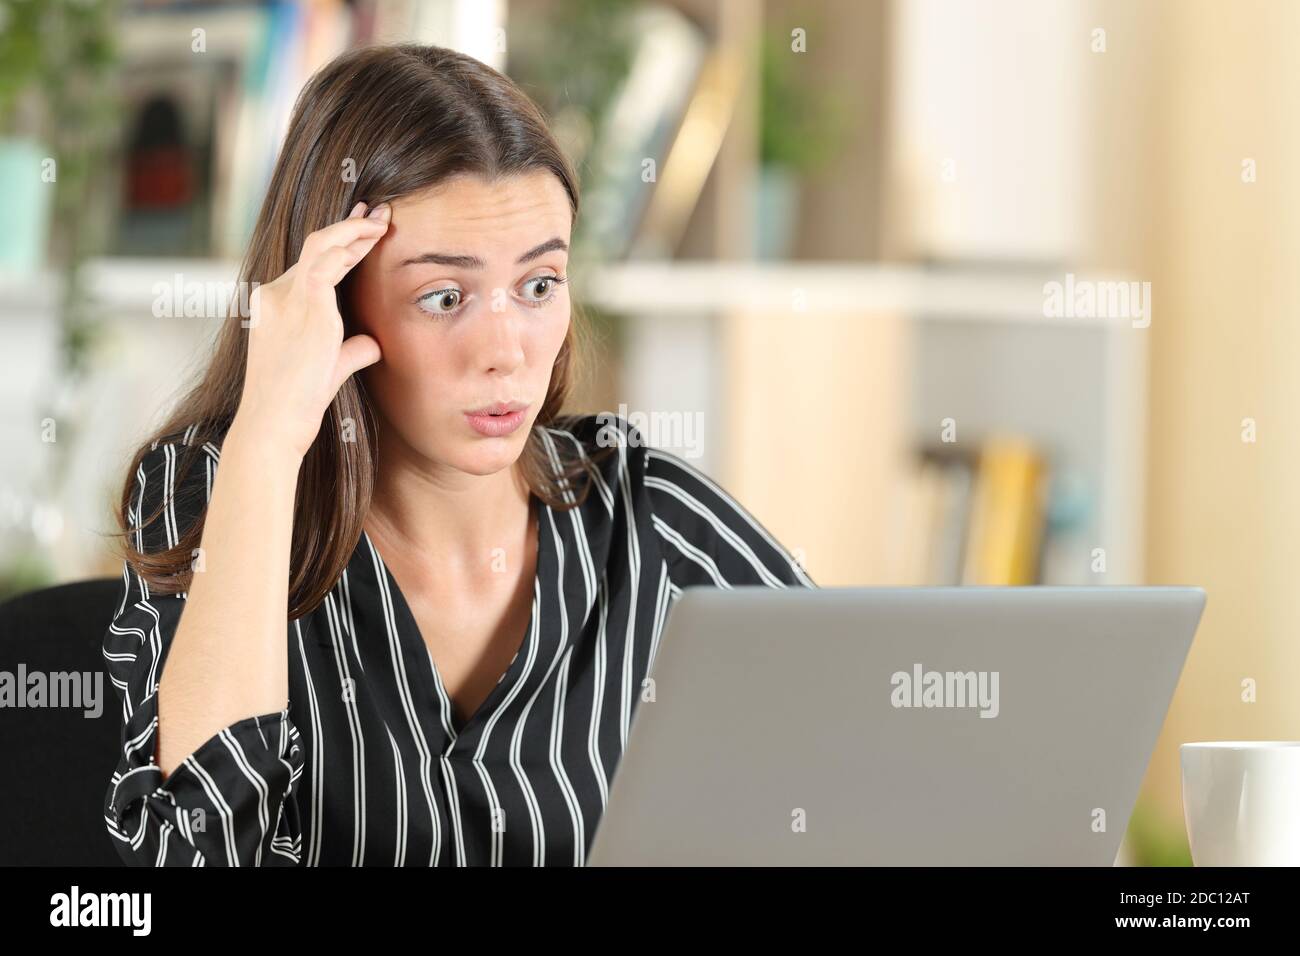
(543, 289)
(441, 301)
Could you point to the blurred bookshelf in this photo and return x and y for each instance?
(823, 329)
(1041, 482)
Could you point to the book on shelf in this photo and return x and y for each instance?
(974, 518)
(207, 102)
(1005, 531)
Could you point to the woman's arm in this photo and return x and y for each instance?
(229, 659)
(230, 802)
(229, 656)
(209, 755)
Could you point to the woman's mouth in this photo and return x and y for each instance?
(498, 419)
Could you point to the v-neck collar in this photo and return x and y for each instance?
(412, 639)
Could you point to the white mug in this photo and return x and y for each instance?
(1241, 802)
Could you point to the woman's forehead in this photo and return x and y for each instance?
(471, 216)
(471, 199)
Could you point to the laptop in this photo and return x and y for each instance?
(927, 726)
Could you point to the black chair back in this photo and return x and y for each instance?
(56, 761)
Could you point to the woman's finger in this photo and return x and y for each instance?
(361, 248)
(356, 352)
(333, 264)
(342, 233)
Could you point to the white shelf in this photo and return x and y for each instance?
(965, 293)
(124, 286)
(24, 293)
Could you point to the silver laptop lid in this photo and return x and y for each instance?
(897, 726)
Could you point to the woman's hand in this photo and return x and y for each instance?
(297, 357)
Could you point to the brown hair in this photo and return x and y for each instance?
(400, 118)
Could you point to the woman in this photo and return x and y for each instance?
(391, 411)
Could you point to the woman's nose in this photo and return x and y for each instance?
(499, 337)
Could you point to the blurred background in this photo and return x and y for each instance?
(887, 270)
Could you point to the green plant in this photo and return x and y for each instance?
(20, 53)
(571, 56)
(25, 572)
(56, 66)
(1153, 841)
(801, 124)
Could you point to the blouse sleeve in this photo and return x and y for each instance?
(706, 536)
(232, 801)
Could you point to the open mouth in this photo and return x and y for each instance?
(498, 420)
(499, 409)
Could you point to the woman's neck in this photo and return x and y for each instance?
(443, 521)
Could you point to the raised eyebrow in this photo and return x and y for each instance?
(474, 262)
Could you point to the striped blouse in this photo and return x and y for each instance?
(369, 764)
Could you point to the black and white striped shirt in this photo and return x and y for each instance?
(369, 764)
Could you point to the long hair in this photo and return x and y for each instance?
(375, 124)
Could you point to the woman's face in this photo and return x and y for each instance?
(458, 298)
